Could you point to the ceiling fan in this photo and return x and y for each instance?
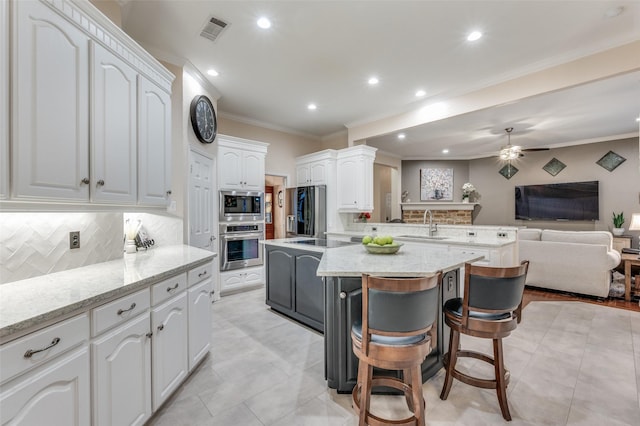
(511, 152)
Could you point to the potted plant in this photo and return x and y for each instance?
(467, 190)
(618, 221)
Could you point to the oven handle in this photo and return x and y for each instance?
(241, 236)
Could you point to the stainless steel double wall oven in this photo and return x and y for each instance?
(241, 229)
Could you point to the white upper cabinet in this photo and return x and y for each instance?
(316, 169)
(113, 132)
(90, 110)
(50, 106)
(154, 144)
(241, 164)
(4, 100)
(355, 178)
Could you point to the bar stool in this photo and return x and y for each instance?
(490, 308)
(395, 334)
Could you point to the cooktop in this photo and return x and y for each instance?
(322, 243)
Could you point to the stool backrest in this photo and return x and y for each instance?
(399, 306)
(493, 289)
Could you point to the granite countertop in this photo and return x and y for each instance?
(27, 303)
(413, 259)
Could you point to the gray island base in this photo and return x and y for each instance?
(340, 270)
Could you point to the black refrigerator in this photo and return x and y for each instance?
(306, 211)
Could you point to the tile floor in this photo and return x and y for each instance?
(571, 363)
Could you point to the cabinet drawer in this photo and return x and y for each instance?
(118, 311)
(36, 348)
(200, 273)
(168, 288)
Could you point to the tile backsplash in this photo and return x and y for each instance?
(35, 244)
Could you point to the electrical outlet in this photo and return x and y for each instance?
(374, 229)
(502, 235)
(74, 240)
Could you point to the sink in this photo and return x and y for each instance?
(422, 237)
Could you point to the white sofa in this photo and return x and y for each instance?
(571, 261)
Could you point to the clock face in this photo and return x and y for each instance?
(203, 119)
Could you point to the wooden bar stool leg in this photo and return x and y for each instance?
(501, 386)
(418, 398)
(365, 391)
(406, 376)
(454, 341)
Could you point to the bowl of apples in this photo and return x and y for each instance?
(381, 244)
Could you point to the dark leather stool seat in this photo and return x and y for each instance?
(395, 334)
(490, 308)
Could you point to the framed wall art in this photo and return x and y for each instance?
(436, 184)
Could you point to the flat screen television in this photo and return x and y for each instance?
(558, 201)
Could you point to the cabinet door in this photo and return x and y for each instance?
(199, 322)
(280, 279)
(54, 394)
(169, 347)
(318, 173)
(303, 176)
(309, 293)
(154, 144)
(122, 360)
(253, 168)
(113, 128)
(50, 103)
(230, 168)
(349, 177)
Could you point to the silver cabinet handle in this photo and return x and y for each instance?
(122, 311)
(168, 192)
(343, 295)
(29, 353)
(85, 181)
(202, 273)
(100, 182)
(170, 289)
(149, 334)
(161, 327)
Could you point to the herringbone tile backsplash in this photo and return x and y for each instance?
(35, 244)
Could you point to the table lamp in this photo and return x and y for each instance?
(635, 225)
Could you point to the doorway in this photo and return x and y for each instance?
(277, 185)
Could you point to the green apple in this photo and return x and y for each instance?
(388, 240)
(379, 241)
(367, 239)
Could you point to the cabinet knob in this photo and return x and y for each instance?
(161, 327)
(343, 295)
(149, 334)
(100, 182)
(168, 193)
(85, 181)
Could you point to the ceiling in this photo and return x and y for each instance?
(323, 52)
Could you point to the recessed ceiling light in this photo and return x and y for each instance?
(474, 35)
(420, 93)
(401, 136)
(445, 151)
(312, 106)
(212, 72)
(373, 81)
(264, 23)
(638, 119)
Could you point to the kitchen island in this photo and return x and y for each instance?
(338, 292)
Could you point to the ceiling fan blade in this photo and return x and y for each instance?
(534, 149)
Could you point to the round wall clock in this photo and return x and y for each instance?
(203, 119)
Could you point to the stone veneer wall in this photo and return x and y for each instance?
(449, 217)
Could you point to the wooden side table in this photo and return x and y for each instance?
(623, 241)
(629, 260)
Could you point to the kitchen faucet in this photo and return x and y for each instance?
(432, 229)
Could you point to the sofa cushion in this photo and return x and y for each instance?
(529, 234)
(578, 237)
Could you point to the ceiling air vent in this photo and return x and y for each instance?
(213, 28)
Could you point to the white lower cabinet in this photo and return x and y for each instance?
(199, 321)
(231, 280)
(56, 393)
(169, 347)
(121, 363)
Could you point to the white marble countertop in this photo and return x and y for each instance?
(413, 259)
(28, 303)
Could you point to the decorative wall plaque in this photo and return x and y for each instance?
(554, 166)
(508, 171)
(611, 160)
